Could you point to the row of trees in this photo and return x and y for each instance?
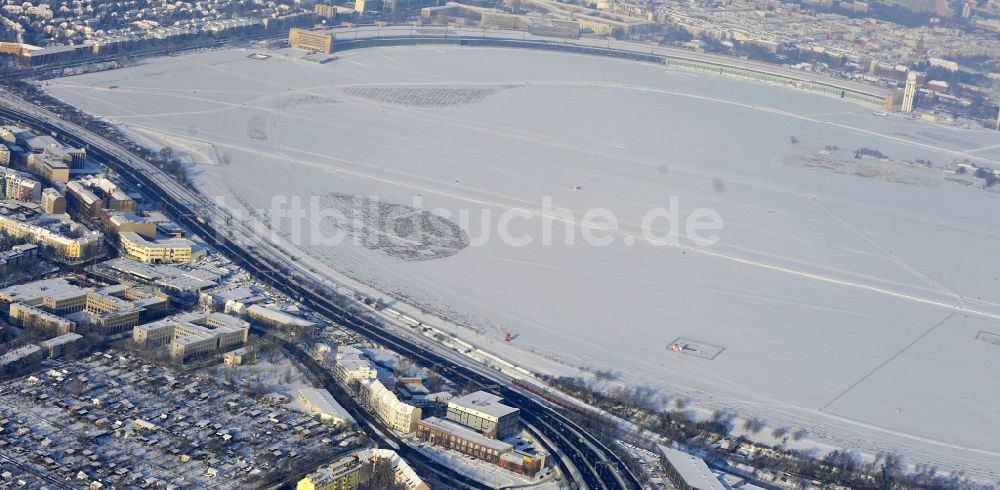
(646, 408)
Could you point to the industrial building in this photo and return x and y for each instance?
(311, 40)
(451, 435)
(483, 412)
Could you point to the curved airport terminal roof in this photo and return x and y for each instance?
(352, 37)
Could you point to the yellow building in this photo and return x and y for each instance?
(193, 335)
(311, 40)
(36, 319)
(56, 296)
(239, 357)
(327, 12)
(86, 246)
(159, 251)
(344, 473)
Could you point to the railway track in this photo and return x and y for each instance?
(580, 455)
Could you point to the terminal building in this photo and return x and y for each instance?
(311, 40)
(483, 412)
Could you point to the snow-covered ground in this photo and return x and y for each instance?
(844, 297)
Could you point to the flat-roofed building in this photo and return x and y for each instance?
(159, 251)
(193, 335)
(312, 40)
(322, 403)
(14, 360)
(18, 257)
(110, 314)
(55, 295)
(483, 412)
(56, 347)
(53, 202)
(240, 357)
(365, 6)
(451, 435)
(278, 319)
(328, 12)
(687, 472)
(117, 222)
(38, 320)
(350, 370)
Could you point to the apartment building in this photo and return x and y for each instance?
(354, 369)
(53, 202)
(56, 347)
(398, 415)
(19, 186)
(69, 240)
(19, 256)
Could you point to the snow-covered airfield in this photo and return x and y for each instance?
(848, 297)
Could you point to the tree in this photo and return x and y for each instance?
(753, 425)
(382, 475)
(166, 153)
